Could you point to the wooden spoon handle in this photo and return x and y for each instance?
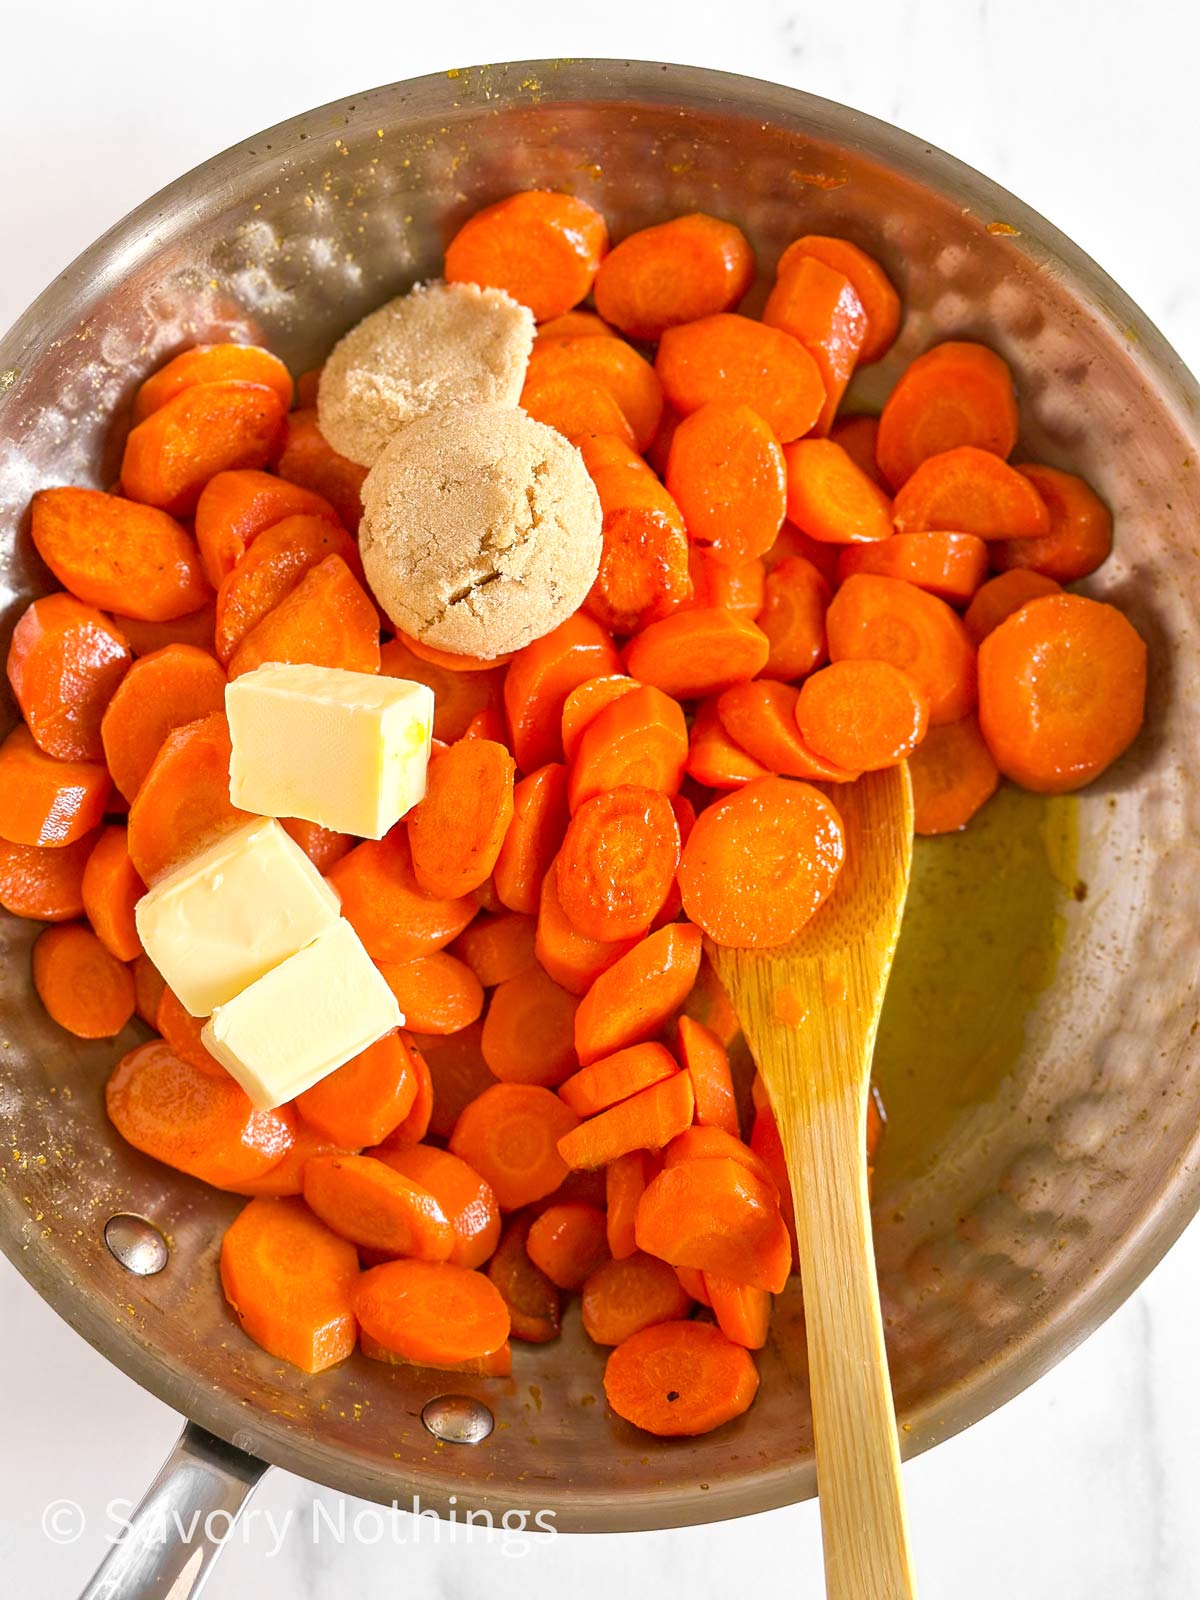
(864, 1527)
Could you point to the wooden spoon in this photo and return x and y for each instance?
(809, 1011)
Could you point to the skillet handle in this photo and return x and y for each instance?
(178, 1530)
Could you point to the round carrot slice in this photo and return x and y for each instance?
(310, 462)
(863, 715)
(678, 1379)
(161, 692)
(695, 653)
(270, 569)
(872, 285)
(714, 759)
(81, 984)
(585, 703)
(759, 863)
(576, 407)
(731, 358)
(431, 1311)
(885, 619)
(529, 1031)
(204, 429)
(235, 507)
(47, 802)
(613, 366)
(111, 889)
(760, 717)
(631, 1000)
(795, 599)
(678, 271)
(618, 862)
(457, 830)
(644, 561)
(568, 1242)
(726, 474)
(41, 883)
(999, 597)
(543, 248)
(639, 739)
(719, 1215)
(436, 993)
(463, 1195)
(539, 679)
(390, 912)
(183, 802)
(820, 307)
(568, 956)
(213, 363)
(607, 1082)
(953, 775)
(365, 1201)
(1080, 536)
(830, 498)
(510, 1135)
(958, 393)
(949, 565)
(968, 490)
(620, 1298)
(65, 662)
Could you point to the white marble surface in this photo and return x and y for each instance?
(1085, 1487)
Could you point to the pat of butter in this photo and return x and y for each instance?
(347, 750)
(233, 912)
(308, 1016)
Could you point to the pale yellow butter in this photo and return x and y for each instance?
(308, 1016)
(348, 750)
(233, 912)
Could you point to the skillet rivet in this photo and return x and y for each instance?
(457, 1419)
(136, 1244)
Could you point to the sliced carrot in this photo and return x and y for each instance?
(575, 406)
(679, 1379)
(739, 588)
(543, 247)
(436, 993)
(148, 988)
(85, 988)
(47, 802)
(674, 272)
(820, 306)
(510, 1136)
(953, 775)
(309, 461)
(529, 1031)
(703, 1055)
(568, 956)
(863, 715)
(621, 1297)
(760, 718)
(183, 1032)
(496, 1364)
(286, 1177)
(328, 620)
(1080, 536)
(533, 838)
(235, 507)
(497, 948)
(644, 558)
(615, 1078)
(183, 802)
(625, 1180)
(719, 1216)
(713, 757)
(416, 1124)
(884, 619)
(830, 498)
(160, 692)
(366, 1201)
(199, 1122)
(743, 1314)
(112, 553)
(726, 474)
(958, 393)
(291, 1283)
(449, 661)
(366, 1099)
(872, 285)
(269, 571)
(202, 430)
(618, 862)
(638, 740)
(322, 846)
(969, 490)
(585, 703)
(457, 1072)
(857, 434)
(111, 888)
(198, 628)
(731, 358)
(431, 1311)
(65, 662)
(463, 1195)
(999, 597)
(949, 565)
(383, 900)
(44, 884)
(647, 1120)
(612, 366)
(539, 679)
(711, 1143)
(696, 653)
(213, 363)
(568, 1242)
(458, 828)
(760, 862)
(633, 999)
(573, 325)
(534, 1304)
(1062, 691)
(795, 599)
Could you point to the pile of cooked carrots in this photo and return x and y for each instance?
(788, 596)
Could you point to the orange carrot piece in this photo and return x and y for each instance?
(719, 1216)
(726, 474)
(198, 628)
(831, 499)
(383, 900)
(198, 1122)
(700, 1143)
(457, 830)
(85, 988)
(1062, 691)
(795, 599)
(625, 1181)
(286, 1177)
(691, 1281)
(573, 325)
(884, 619)
(638, 740)
(857, 434)
(465, 1198)
(497, 947)
(436, 993)
(872, 285)
(568, 1242)
(534, 1303)
(328, 620)
(457, 1073)
(743, 1314)
(575, 406)
(310, 462)
(760, 862)
(431, 1312)
(44, 884)
(65, 662)
(969, 490)
(568, 956)
(291, 1283)
(633, 999)
(621, 1297)
(953, 775)
(731, 358)
(117, 555)
(703, 1055)
(366, 1201)
(202, 430)
(674, 272)
(679, 1379)
(160, 692)
(529, 1031)
(183, 1032)
(213, 363)
(863, 715)
(235, 507)
(949, 565)
(365, 1099)
(148, 989)
(110, 890)
(760, 718)
(696, 653)
(618, 862)
(615, 1078)
(713, 757)
(585, 703)
(539, 679)
(999, 597)
(450, 661)
(820, 307)
(612, 366)
(534, 835)
(1080, 536)
(416, 1124)
(543, 248)
(496, 1364)
(47, 802)
(510, 1136)
(270, 570)
(458, 697)
(648, 1120)
(644, 556)
(958, 393)
(322, 846)
(739, 588)
(183, 802)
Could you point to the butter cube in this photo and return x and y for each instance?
(345, 749)
(306, 1017)
(233, 912)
